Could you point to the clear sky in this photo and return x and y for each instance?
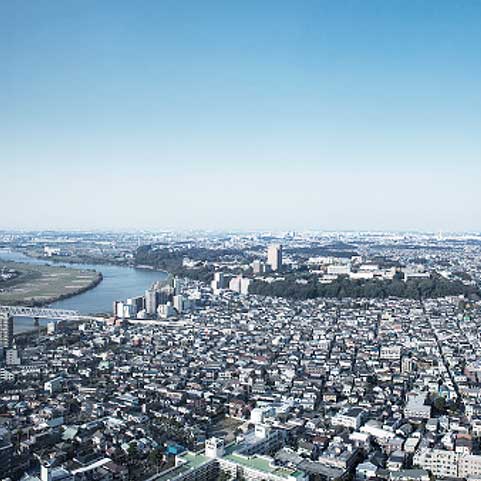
(241, 114)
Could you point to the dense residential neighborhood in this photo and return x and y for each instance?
(199, 381)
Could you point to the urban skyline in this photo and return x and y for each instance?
(240, 241)
(258, 356)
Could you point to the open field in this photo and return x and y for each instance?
(43, 284)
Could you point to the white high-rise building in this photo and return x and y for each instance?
(151, 301)
(244, 286)
(235, 284)
(258, 267)
(219, 282)
(6, 331)
(274, 256)
(178, 286)
(240, 284)
(12, 357)
(180, 303)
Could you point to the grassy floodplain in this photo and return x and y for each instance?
(38, 285)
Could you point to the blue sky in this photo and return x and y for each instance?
(188, 114)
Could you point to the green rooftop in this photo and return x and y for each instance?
(230, 448)
(261, 464)
(172, 473)
(191, 460)
(297, 474)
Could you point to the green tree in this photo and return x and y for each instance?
(132, 460)
(156, 458)
(439, 403)
(223, 476)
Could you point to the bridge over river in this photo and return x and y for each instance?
(45, 313)
(40, 312)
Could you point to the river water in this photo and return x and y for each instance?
(118, 283)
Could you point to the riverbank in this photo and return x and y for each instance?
(39, 285)
(86, 288)
(75, 259)
(119, 282)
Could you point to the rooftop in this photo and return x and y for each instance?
(263, 464)
(189, 460)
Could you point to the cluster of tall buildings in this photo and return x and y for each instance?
(239, 283)
(162, 300)
(274, 260)
(223, 281)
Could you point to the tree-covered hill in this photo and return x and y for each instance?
(371, 289)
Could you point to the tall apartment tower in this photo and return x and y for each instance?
(151, 301)
(274, 256)
(6, 331)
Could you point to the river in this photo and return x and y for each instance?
(118, 283)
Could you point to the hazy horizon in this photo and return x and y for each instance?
(355, 116)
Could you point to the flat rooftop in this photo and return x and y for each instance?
(260, 463)
(191, 460)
